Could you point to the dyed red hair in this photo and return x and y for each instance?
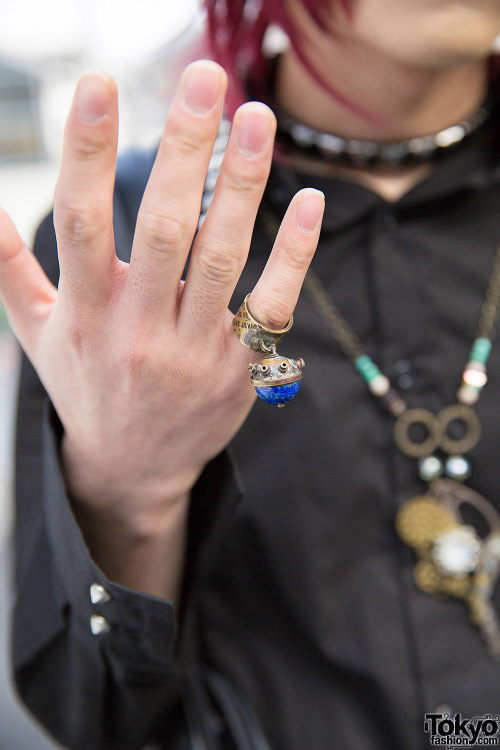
(236, 30)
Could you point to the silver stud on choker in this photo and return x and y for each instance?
(295, 136)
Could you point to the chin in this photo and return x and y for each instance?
(442, 53)
(463, 47)
(431, 33)
(459, 38)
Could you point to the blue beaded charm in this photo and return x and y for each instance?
(277, 379)
(278, 395)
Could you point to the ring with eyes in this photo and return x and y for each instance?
(276, 379)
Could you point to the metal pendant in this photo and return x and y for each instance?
(452, 559)
(438, 431)
(277, 379)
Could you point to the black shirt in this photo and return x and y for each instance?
(299, 592)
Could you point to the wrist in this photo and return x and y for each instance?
(124, 491)
(145, 554)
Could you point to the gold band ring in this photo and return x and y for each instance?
(253, 334)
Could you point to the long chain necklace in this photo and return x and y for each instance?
(452, 559)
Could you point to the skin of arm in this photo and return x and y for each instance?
(144, 371)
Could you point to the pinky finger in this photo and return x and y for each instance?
(275, 295)
(25, 290)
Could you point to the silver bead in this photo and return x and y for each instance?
(379, 385)
(302, 135)
(453, 134)
(206, 201)
(224, 129)
(211, 181)
(467, 394)
(215, 162)
(457, 467)
(332, 144)
(475, 375)
(429, 468)
(421, 145)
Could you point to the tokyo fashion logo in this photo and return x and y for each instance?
(451, 730)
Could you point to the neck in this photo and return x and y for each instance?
(403, 101)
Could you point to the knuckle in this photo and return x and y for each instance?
(136, 350)
(298, 256)
(186, 142)
(218, 265)
(245, 184)
(273, 313)
(163, 232)
(146, 359)
(78, 333)
(92, 144)
(78, 223)
(135, 361)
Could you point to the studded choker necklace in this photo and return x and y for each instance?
(294, 137)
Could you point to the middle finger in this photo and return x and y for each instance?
(170, 208)
(221, 247)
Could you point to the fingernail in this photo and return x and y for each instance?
(92, 97)
(253, 131)
(201, 86)
(310, 210)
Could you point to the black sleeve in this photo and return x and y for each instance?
(96, 663)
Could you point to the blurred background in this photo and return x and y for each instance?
(44, 47)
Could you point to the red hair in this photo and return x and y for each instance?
(236, 30)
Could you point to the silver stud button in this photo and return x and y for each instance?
(98, 594)
(99, 625)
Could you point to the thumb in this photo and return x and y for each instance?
(25, 290)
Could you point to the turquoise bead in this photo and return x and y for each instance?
(367, 367)
(480, 351)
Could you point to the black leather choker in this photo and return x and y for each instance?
(294, 136)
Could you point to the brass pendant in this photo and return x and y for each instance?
(437, 430)
(452, 559)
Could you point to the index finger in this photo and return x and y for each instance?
(170, 208)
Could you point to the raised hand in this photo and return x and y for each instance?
(143, 370)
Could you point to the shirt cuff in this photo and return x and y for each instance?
(138, 626)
